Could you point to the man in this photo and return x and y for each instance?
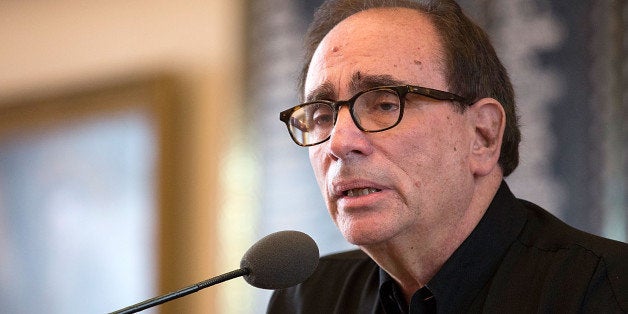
(410, 121)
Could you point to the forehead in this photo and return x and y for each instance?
(396, 42)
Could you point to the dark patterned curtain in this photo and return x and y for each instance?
(569, 63)
(289, 196)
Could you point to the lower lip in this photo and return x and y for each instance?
(360, 202)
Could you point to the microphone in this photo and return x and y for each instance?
(277, 261)
(280, 260)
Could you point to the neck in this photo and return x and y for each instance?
(413, 258)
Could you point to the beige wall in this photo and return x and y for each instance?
(51, 46)
(50, 43)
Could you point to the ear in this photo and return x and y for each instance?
(489, 120)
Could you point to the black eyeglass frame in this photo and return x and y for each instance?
(401, 90)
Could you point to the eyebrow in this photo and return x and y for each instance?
(324, 91)
(359, 82)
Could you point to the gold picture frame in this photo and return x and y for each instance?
(69, 212)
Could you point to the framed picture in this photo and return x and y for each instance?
(84, 180)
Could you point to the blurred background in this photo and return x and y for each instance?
(141, 151)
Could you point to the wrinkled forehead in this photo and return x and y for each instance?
(399, 43)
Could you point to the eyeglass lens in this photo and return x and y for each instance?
(372, 111)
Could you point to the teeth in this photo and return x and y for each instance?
(361, 192)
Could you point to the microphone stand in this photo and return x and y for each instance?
(183, 292)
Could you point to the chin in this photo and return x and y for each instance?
(368, 228)
(364, 237)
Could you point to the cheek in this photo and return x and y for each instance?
(438, 147)
(318, 165)
(451, 153)
(435, 160)
(449, 133)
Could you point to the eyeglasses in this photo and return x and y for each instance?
(372, 110)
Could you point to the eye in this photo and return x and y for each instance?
(320, 115)
(323, 119)
(380, 102)
(384, 105)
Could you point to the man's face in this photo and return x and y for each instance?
(413, 179)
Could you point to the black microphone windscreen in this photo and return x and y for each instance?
(280, 260)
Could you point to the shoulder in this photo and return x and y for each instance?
(546, 232)
(575, 257)
(341, 280)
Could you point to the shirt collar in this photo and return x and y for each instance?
(471, 266)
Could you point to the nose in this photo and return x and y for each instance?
(346, 138)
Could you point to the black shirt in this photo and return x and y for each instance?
(518, 259)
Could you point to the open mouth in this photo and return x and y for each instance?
(360, 192)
